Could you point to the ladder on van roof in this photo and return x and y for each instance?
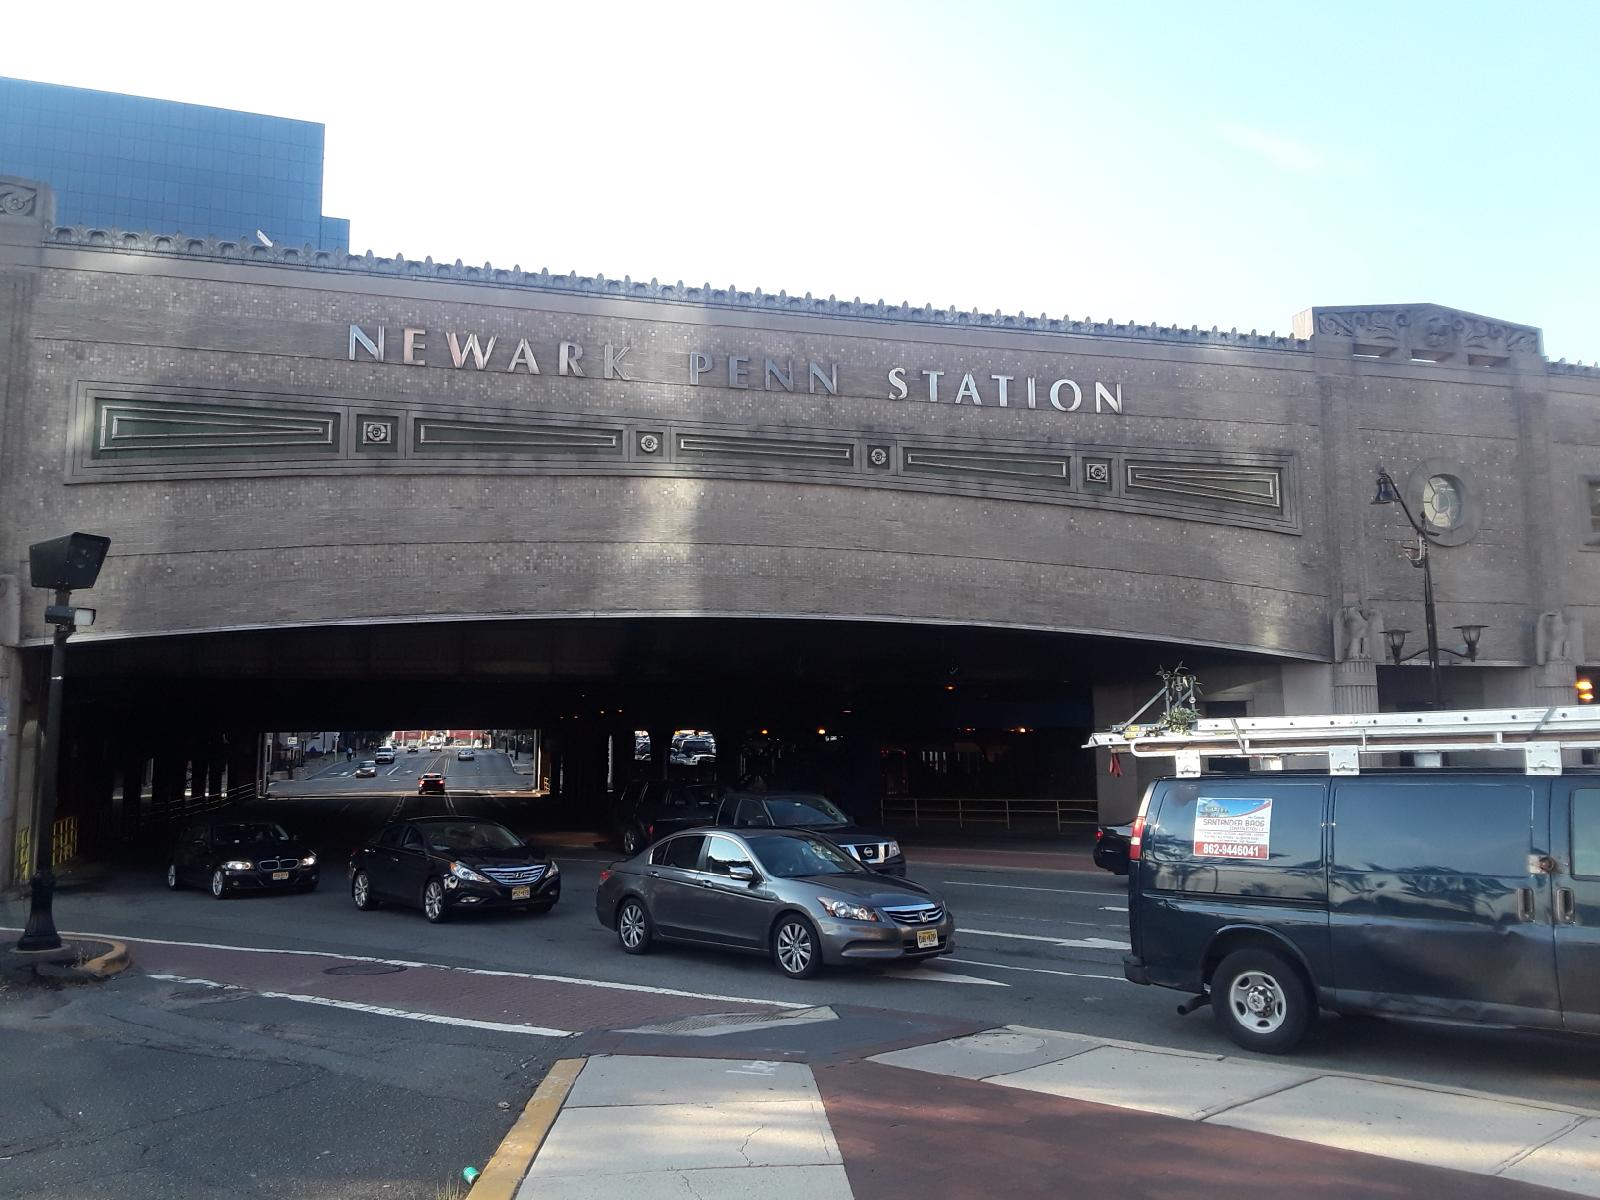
(1538, 734)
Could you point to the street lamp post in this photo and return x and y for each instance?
(1388, 493)
(61, 565)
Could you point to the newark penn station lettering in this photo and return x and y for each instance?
(736, 371)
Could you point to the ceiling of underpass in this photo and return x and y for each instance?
(522, 674)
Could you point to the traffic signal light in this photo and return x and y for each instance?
(1585, 689)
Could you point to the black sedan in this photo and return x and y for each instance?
(229, 855)
(785, 892)
(445, 865)
(806, 810)
(1111, 848)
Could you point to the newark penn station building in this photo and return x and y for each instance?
(910, 555)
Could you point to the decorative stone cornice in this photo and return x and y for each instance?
(1563, 367)
(1426, 332)
(245, 250)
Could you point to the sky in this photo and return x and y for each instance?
(1224, 163)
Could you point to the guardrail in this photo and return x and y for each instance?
(63, 847)
(185, 805)
(917, 813)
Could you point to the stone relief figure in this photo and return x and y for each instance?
(1552, 638)
(1355, 632)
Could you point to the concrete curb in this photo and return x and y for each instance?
(504, 1173)
(113, 962)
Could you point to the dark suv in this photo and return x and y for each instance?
(807, 810)
(649, 809)
(1461, 895)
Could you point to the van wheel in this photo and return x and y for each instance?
(1262, 1001)
(632, 843)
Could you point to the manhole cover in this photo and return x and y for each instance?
(365, 969)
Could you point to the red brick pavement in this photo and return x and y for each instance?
(576, 1006)
(908, 1135)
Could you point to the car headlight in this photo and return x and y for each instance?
(846, 911)
(237, 864)
(309, 860)
(467, 873)
(893, 851)
(555, 869)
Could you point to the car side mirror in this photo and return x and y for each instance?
(743, 872)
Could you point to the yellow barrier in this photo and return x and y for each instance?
(64, 846)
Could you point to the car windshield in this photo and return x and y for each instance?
(250, 831)
(790, 812)
(369, 763)
(470, 836)
(791, 857)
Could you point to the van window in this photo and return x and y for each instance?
(1244, 837)
(1586, 831)
(1438, 827)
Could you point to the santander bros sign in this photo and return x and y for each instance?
(416, 347)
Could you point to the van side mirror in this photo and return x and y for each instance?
(743, 872)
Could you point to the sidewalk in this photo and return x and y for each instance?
(1021, 1113)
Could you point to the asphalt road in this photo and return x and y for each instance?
(1035, 947)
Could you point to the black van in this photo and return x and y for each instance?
(1464, 895)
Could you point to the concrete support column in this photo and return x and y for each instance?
(13, 801)
(1553, 683)
(1355, 687)
(166, 787)
(134, 764)
(660, 751)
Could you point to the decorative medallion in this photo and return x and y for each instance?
(649, 443)
(878, 456)
(1097, 470)
(376, 433)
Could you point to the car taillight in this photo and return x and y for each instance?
(1136, 838)
(605, 874)
(1098, 834)
(650, 832)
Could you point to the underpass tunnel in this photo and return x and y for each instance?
(896, 723)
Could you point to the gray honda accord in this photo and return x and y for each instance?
(784, 892)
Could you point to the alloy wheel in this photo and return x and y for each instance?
(219, 884)
(361, 889)
(630, 842)
(795, 949)
(433, 900)
(630, 926)
(172, 876)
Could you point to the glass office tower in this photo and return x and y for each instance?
(130, 162)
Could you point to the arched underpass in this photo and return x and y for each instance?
(878, 716)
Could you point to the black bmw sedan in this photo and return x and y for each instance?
(445, 865)
(230, 855)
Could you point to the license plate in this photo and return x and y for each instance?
(927, 939)
(280, 874)
(521, 893)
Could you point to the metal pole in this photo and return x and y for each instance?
(1433, 628)
(40, 933)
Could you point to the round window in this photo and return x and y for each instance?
(1441, 502)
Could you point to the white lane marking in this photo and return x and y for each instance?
(1113, 908)
(608, 984)
(972, 962)
(1080, 943)
(929, 975)
(1017, 887)
(377, 1009)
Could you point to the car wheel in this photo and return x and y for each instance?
(632, 842)
(433, 906)
(219, 885)
(634, 928)
(796, 948)
(173, 882)
(361, 892)
(1262, 1001)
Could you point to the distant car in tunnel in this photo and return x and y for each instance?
(431, 781)
(367, 770)
(231, 855)
(648, 809)
(788, 893)
(445, 865)
(466, 754)
(807, 810)
(1111, 844)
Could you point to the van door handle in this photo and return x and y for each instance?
(1566, 906)
(1525, 904)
